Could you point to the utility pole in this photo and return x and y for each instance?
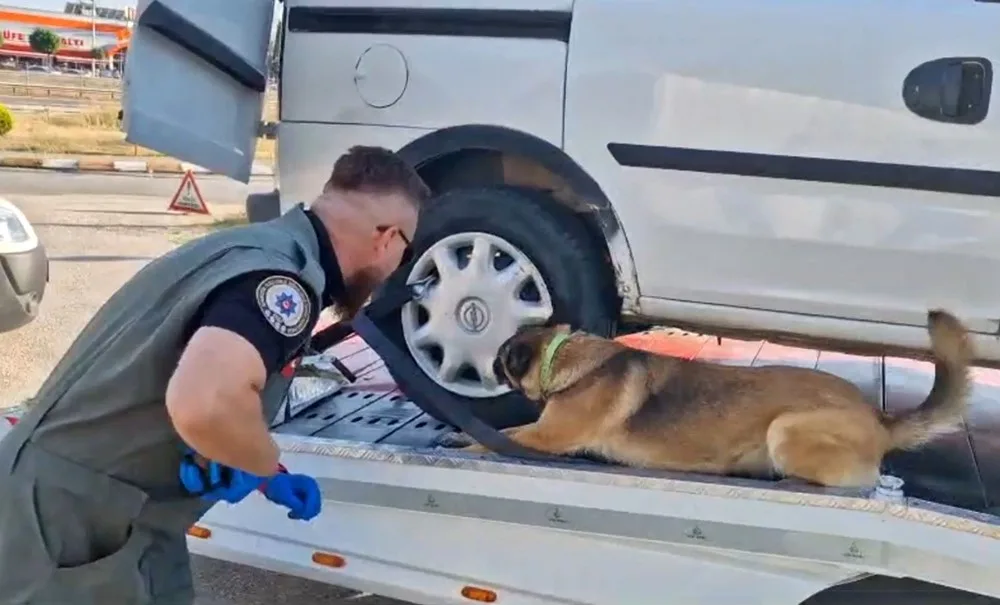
(93, 37)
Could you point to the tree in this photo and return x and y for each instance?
(6, 121)
(99, 53)
(44, 41)
(274, 52)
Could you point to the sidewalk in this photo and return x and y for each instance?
(151, 165)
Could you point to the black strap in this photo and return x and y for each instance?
(331, 336)
(442, 405)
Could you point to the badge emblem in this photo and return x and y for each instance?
(285, 304)
(473, 315)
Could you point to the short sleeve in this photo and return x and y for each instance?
(273, 311)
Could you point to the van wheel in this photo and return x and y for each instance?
(496, 259)
(262, 207)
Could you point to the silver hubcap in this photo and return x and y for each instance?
(480, 290)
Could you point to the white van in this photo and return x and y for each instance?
(813, 171)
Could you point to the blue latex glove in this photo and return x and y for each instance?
(216, 482)
(299, 493)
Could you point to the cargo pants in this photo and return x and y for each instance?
(72, 536)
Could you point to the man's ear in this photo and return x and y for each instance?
(381, 240)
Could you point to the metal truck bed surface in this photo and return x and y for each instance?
(961, 470)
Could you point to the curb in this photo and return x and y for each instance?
(152, 166)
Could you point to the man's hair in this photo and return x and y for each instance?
(376, 170)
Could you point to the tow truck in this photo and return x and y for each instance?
(406, 519)
(803, 179)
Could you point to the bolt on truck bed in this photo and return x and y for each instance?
(411, 521)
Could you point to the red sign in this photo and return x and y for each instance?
(188, 197)
(22, 39)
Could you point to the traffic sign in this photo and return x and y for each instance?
(188, 197)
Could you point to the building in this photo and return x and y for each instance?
(103, 12)
(110, 30)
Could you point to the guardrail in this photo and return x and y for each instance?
(27, 90)
(63, 79)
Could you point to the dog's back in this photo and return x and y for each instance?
(705, 417)
(699, 416)
(646, 410)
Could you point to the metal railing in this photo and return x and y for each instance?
(10, 76)
(45, 90)
(76, 88)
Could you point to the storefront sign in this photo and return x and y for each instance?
(75, 40)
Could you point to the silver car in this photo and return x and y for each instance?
(24, 268)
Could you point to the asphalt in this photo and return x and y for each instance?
(98, 230)
(154, 188)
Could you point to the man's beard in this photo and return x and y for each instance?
(357, 291)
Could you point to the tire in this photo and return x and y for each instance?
(262, 207)
(573, 266)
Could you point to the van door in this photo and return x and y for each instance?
(195, 78)
(834, 158)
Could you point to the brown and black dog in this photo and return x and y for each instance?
(651, 411)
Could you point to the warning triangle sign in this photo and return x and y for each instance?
(188, 197)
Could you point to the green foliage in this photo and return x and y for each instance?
(44, 41)
(6, 120)
(274, 52)
(99, 53)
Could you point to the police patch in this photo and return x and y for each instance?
(285, 304)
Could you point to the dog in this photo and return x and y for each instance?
(598, 396)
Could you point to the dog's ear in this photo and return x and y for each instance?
(518, 359)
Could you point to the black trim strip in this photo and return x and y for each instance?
(463, 22)
(940, 179)
(170, 24)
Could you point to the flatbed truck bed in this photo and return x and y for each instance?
(409, 520)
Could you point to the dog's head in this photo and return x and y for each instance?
(521, 358)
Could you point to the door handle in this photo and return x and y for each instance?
(951, 89)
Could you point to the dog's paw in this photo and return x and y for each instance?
(454, 440)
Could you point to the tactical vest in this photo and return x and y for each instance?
(103, 405)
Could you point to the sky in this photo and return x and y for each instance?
(58, 5)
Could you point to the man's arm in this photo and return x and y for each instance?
(247, 329)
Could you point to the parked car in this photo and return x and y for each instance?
(25, 268)
(44, 69)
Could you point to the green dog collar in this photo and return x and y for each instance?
(545, 372)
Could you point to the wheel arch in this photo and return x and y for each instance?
(479, 154)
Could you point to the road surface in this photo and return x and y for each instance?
(99, 229)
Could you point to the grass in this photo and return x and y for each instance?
(182, 235)
(229, 221)
(91, 132)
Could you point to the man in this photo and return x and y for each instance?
(162, 404)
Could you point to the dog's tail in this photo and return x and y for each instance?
(943, 410)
